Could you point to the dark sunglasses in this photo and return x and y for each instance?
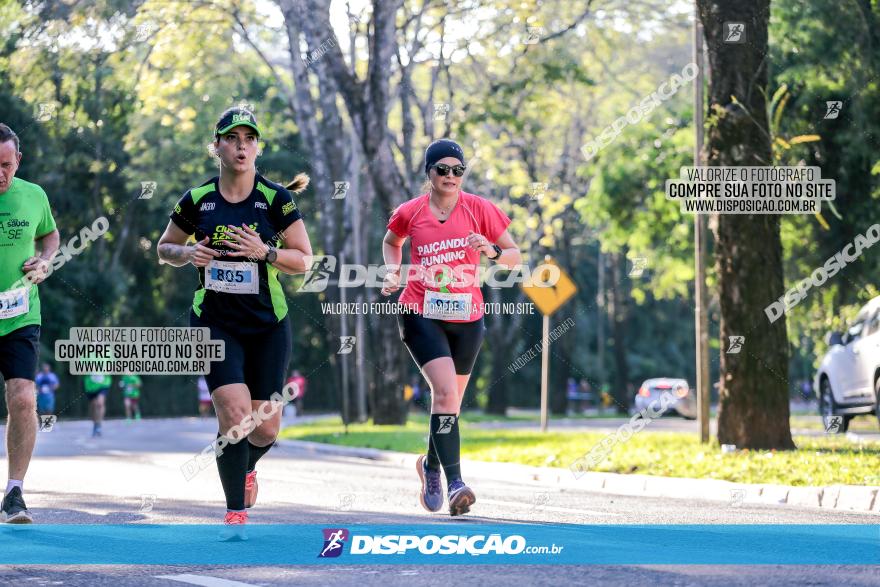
(443, 169)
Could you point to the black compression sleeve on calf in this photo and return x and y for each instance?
(232, 464)
(255, 453)
(444, 432)
(433, 462)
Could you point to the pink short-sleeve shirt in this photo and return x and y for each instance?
(436, 245)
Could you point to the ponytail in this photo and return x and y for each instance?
(298, 183)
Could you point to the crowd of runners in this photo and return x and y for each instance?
(240, 231)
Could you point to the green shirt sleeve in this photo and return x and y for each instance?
(47, 222)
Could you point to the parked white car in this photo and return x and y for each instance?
(848, 379)
(683, 401)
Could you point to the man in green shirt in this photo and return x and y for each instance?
(131, 395)
(97, 386)
(25, 219)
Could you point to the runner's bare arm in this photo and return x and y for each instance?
(294, 257)
(173, 249)
(38, 265)
(510, 255)
(392, 248)
(392, 253)
(49, 244)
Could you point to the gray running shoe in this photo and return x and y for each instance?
(14, 510)
(461, 498)
(431, 494)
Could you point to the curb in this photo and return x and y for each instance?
(856, 498)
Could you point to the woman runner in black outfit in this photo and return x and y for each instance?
(247, 231)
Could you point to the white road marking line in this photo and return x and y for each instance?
(204, 581)
(548, 508)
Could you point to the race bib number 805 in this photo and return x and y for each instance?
(235, 278)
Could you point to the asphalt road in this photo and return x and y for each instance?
(132, 475)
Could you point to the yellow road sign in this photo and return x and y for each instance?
(548, 299)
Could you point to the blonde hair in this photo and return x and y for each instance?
(298, 183)
(212, 151)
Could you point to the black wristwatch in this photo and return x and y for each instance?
(498, 251)
(271, 254)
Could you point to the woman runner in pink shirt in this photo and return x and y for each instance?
(442, 325)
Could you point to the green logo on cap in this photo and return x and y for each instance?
(241, 118)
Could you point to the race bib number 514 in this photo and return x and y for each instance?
(446, 306)
(15, 302)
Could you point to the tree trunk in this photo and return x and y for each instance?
(753, 404)
(324, 137)
(601, 315)
(563, 350)
(562, 359)
(619, 313)
(367, 102)
(501, 351)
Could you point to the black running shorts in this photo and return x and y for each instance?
(93, 395)
(19, 352)
(258, 360)
(428, 339)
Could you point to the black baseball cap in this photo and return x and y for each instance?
(236, 117)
